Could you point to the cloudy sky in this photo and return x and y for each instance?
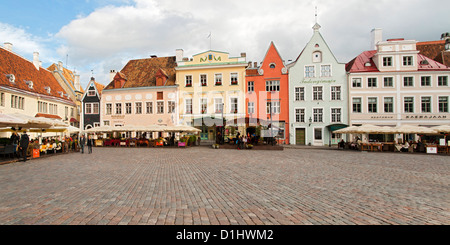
(93, 37)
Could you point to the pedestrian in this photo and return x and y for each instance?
(24, 141)
(15, 142)
(89, 144)
(82, 142)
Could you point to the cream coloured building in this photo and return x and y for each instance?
(28, 88)
(211, 92)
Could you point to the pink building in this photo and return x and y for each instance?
(394, 84)
(143, 93)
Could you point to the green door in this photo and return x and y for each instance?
(299, 136)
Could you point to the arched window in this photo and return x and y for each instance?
(272, 65)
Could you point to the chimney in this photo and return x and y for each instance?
(60, 66)
(179, 55)
(36, 60)
(255, 64)
(377, 36)
(76, 83)
(8, 46)
(112, 73)
(243, 55)
(249, 64)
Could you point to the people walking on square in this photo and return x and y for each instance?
(15, 142)
(23, 145)
(89, 144)
(82, 142)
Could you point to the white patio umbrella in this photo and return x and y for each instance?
(368, 129)
(38, 122)
(412, 129)
(7, 120)
(442, 129)
(101, 129)
(347, 130)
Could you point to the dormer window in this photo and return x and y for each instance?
(48, 89)
(30, 84)
(60, 94)
(317, 56)
(11, 78)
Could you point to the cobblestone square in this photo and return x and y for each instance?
(205, 186)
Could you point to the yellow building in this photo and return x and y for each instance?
(211, 92)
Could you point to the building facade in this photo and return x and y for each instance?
(142, 93)
(211, 87)
(267, 96)
(71, 84)
(394, 85)
(317, 94)
(28, 88)
(91, 116)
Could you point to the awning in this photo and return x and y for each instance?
(48, 116)
(334, 127)
(73, 120)
(208, 121)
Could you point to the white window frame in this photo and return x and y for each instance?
(360, 82)
(186, 104)
(186, 80)
(300, 114)
(218, 107)
(393, 104)
(431, 103)
(337, 120)
(336, 93)
(308, 72)
(413, 104)
(319, 115)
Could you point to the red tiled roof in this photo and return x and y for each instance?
(23, 71)
(435, 50)
(141, 72)
(358, 64)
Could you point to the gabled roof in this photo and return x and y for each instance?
(358, 64)
(435, 50)
(25, 71)
(141, 72)
(67, 74)
(98, 88)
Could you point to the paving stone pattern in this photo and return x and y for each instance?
(204, 186)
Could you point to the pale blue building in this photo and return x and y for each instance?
(318, 101)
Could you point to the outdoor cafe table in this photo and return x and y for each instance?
(372, 147)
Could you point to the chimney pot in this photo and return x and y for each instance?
(8, 46)
(377, 36)
(36, 60)
(179, 55)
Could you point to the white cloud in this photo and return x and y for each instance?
(24, 43)
(110, 36)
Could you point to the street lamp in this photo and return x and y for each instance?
(310, 121)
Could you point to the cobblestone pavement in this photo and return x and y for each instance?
(200, 185)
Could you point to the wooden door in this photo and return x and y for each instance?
(300, 136)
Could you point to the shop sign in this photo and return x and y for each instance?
(426, 117)
(318, 81)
